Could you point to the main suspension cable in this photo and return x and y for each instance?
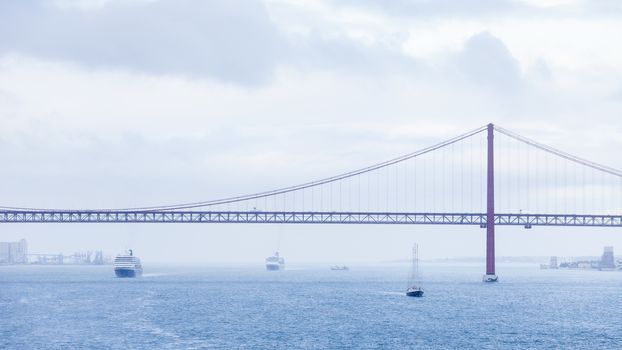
(281, 190)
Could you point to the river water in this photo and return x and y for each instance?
(308, 307)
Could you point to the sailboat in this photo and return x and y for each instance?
(414, 288)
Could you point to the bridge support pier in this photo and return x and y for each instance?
(490, 275)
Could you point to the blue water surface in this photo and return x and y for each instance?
(308, 307)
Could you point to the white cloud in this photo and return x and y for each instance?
(230, 41)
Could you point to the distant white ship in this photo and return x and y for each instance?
(339, 268)
(275, 262)
(127, 265)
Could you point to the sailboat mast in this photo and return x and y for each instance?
(415, 263)
(415, 260)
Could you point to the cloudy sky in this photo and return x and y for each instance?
(116, 103)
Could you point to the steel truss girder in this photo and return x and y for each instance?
(293, 217)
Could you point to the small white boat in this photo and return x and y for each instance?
(414, 287)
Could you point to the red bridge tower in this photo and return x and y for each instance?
(490, 275)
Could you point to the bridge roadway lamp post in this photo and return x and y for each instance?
(490, 275)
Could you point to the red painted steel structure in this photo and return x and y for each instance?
(490, 205)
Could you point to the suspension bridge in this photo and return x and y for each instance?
(488, 176)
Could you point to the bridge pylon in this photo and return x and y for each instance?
(490, 275)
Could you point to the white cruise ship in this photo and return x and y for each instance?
(275, 262)
(127, 265)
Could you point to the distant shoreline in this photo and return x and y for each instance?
(500, 259)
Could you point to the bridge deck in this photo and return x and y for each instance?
(279, 217)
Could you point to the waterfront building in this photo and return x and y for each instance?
(607, 261)
(14, 252)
